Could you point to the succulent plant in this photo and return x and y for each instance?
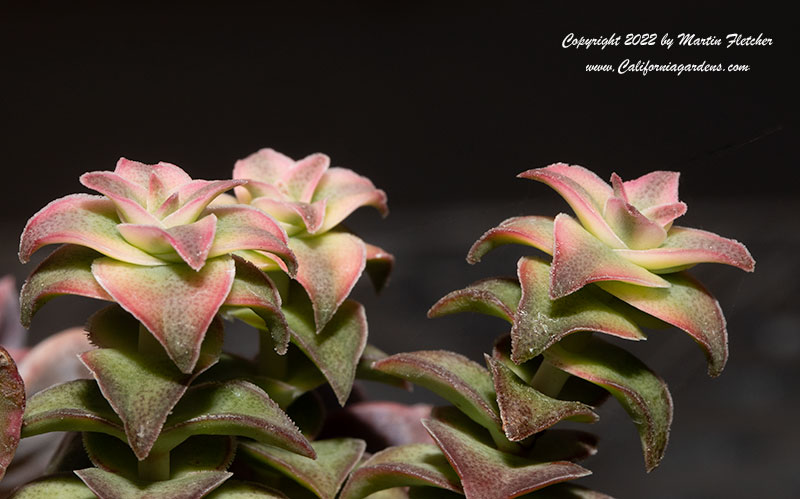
(166, 410)
(616, 269)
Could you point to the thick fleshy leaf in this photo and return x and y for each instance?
(539, 322)
(664, 214)
(487, 473)
(329, 266)
(685, 247)
(253, 289)
(323, 476)
(129, 198)
(530, 231)
(67, 270)
(266, 165)
(196, 202)
(379, 266)
(59, 486)
(642, 394)
(635, 230)
(72, 406)
(580, 259)
(298, 216)
(407, 465)
(345, 191)
(337, 348)
(12, 408)
(231, 408)
(495, 296)
(526, 411)
(563, 445)
(234, 489)
(568, 491)
(585, 192)
(84, 220)
(175, 303)
(302, 179)
(192, 486)
(142, 386)
(244, 228)
(171, 176)
(652, 189)
(686, 304)
(464, 383)
(364, 370)
(191, 242)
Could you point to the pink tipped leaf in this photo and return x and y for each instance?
(196, 202)
(328, 267)
(107, 485)
(408, 465)
(585, 192)
(686, 247)
(301, 181)
(296, 215)
(83, 220)
(379, 266)
(642, 394)
(664, 214)
(267, 165)
(129, 199)
(175, 303)
(191, 242)
(635, 230)
(652, 189)
(530, 231)
(54, 360)
(344, 191)
(524, 410)
(494, 296)
(12, 408)
(323, 476)
(381, 424)
(252, 289)
(169, 175)
(539, 322)
(580, 259)
(687, 305)
(487, 473)
(66, 271)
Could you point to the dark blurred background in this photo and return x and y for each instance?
(441, 106)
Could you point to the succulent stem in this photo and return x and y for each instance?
(549, 379)
(155, 467)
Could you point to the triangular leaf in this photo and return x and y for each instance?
(12, 408)
(192, 486)
(495, 296)
(58, 486)
(234, 489)
(530, 231)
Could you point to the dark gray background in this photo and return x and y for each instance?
(442, 106)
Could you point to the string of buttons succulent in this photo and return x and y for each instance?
(165, 412)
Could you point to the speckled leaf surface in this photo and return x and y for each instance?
(67, 270)
(529, 230)
(192, 486)
(84, 220)
(12, 408)
(526, 411)
(329, 266)
(142, 387)
(234, 489)
(231, 408)
(407, 465)
(486, 472)
(540, 322)
(580, 258)
(324, 476)
(189, 242)
(636, 230)
(370, 355)
(253, 289)
(72, 406)
(175, 303)
(642, 394)
(344, 191)
(59, 486)
(336, 349)
(686, 304)
(379, 266)
(462, 382)
(495, 296)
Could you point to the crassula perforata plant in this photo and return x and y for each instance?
(166, 411)
(619, 267)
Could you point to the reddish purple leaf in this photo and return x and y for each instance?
(344, 191)
(191, 486)
(191, 241)
(530, 231)
(652, 189)
(635, 230)
(12, 408)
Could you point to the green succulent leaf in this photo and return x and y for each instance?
(195, 485)
(12, 408)
(234, 489)
(495, 296)
(402, 466)
(232, 408)
(530, 231)
(642, 394)
(336, 458)
(486, 472)
(524, 410)
(58, 486)
(72, 406)
(687, 305)
(540, 322)
(141, 386)
(365, 370)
